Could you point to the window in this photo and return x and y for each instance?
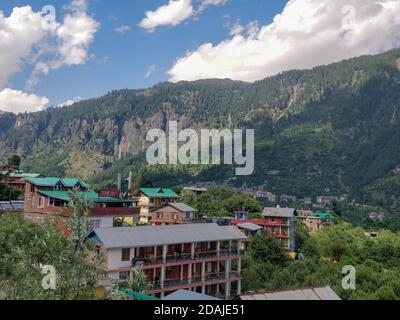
(96, 223)
(41, 202)
(126, 254)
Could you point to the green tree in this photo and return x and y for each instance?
(14, 161)
(138, 281)
(242, 202)
(265, 248)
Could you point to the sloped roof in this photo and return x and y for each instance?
(89, 195)
(182, 207)
(279, 212)
(159, 193)
(187, 295)
(165, 235)
(24, 175)
(52, 181)
(321, 293)
(249, 226)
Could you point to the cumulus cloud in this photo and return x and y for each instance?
(122, 29)
(307, 33)
(18, 102)
(171, 14)
(174, 13)
(236, 29)
(18, 34)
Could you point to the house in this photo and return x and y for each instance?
(16, 179)
(316, 293)
(51, 196)
(315, 221)
(277, 221)
(205, 258)
(195, 190)
(150, 198)
(242, 215)
(173, 213)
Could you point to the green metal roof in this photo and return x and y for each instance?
(138, 296)
(65, 195)
(51, 182)
(159, 193)
(322, 215)
(89, 195)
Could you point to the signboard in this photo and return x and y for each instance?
(109, 193)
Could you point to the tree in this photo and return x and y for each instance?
(14, 161)
(242, 202)
(265, 248)
(79, 223)
(138, 281)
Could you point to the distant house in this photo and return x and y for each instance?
(195, 190)
(150, 198)
(317, 293)
(315, 221)
(173, 213)
(16, 180)
(279, 222)
(51, 196)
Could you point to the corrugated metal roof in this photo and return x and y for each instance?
(166, 235)
(159, 193)
(183, 207)
(279, 212)
(321, 293)
(89, 195)
(52, 181)
(187, 295)
(249, 226)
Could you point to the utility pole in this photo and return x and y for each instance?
(130, 181)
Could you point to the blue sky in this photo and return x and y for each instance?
(173, 40)
(122, 60)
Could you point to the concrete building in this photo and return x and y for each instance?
(315, 221)
(173, 213)
(197, 257)
(150, 198)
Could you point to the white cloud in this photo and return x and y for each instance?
(307, 33)
(171, 14)
(18, 34)
(174, 13)
(122, 29)
(150, 71)
(18, 102)
(236, 29)
(69, 102)
(25, 39)
(205, 3)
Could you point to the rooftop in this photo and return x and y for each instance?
(187, 295)
(249, 226)
(89, 195)
(166, 235)
(52, 181)
(159, 193)
(279, 212)
(320, 293)
(182, 207)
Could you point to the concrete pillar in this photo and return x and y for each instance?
(239, 287)
(193, 250)
(203, 289)
(203, 272)
(165, 251)
(162, 277)
(181, 272)
(190, 274)
(218, 248)
(155, 252)
(239, 270)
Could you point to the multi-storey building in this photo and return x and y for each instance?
(277, 221)
(150, 198)
(315, 221)
(205, 258)
(173, 213)
(51, 196)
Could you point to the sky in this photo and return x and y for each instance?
(53, 53)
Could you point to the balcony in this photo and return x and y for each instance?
(192, 282)
(104, 212)
(185, 257)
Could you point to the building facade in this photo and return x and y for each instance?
(173, 213)
(205, 258)
(279, 222)
(151, 198)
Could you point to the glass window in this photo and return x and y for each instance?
(126, 254)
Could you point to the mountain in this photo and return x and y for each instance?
(331, 130)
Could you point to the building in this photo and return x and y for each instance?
(277, 221)
(188, 295)
(173, 213)
(150, 198)
(316, 293)
(196, 190)
(16, 180)
(197, 257)
(51, 196)
(315, 221)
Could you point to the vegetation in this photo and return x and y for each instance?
(376, 260)
(25, 248)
